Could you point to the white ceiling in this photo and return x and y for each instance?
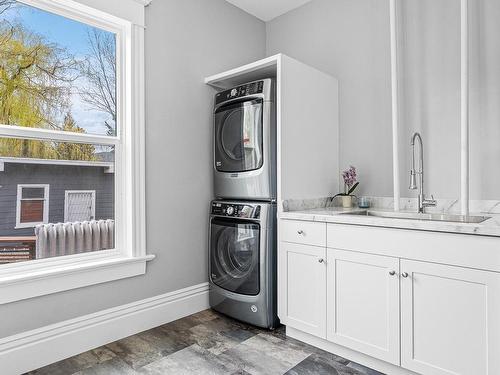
(266, 10)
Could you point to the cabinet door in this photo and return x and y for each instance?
(450, 319)
(302, 288)
(363, 303)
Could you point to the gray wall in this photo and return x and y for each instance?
(349, 40)
(186, 40)
(60, 179)
(430, 94)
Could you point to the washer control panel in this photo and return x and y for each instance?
(240, 91)
(243, 211)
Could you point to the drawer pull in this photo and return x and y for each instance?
(392, 273)
(301, 232)
(321, 260)
(404, 274)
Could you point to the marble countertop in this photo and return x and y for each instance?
(339, 215)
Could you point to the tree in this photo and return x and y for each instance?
(35, 87)
(99, 69)
(50, 150)
(6, 4)
(25, 148)
(35, 79)
(74, 151)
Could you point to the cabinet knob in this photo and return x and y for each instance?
(321, 260)
(392, 273)
(300, 232)
(404, 274)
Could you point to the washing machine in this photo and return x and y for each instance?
(242, 261)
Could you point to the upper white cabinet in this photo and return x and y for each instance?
(363, 303)
(307, 114)
(308, 150)
(450, 319)
(302, 280)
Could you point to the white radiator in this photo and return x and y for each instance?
(72, 238)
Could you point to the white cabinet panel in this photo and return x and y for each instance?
(306, 232)
(303, 287)
(363, 303)
(450, 320)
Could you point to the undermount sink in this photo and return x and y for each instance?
(421, 216)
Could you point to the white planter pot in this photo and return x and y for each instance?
(346, 201)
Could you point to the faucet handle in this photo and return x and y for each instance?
(429, 202)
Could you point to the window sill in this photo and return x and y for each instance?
(36, 278)
(27, 225)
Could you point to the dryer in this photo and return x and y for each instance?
(245, 142)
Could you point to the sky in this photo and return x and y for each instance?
(72, 36)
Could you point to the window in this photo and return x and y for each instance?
(72, 124)
(79, 205)
(32, 205)
(61, 75)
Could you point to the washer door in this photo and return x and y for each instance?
(238, 137)
(234, 255)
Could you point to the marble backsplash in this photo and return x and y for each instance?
(450, 206)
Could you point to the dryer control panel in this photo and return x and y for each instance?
(240, 91)
(243, 211)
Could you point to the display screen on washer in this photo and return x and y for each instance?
(238, 136)
(243, 211)
(234, 255)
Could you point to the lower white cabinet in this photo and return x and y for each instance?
(363, 303)
(450, 319)
(423, 316)
(302, 274)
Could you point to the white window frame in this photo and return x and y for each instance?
(68, 192)
(39, 277)
(46, 189)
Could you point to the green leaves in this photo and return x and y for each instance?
(351, 190)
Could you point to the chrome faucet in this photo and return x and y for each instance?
(422, 201)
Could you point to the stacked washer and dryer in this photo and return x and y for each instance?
(242, 244)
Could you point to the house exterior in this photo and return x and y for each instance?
(34, 191)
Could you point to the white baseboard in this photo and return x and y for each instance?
(37, 348)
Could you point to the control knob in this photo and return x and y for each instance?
(230, 210)
(234, 92)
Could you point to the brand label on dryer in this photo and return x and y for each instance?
(218, 164)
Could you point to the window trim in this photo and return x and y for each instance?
(39, 277)
(68, 192)
(46, 201)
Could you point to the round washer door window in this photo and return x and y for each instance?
(238, 137)
(235, 256)
(231, 135)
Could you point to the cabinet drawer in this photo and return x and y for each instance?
(304, 232)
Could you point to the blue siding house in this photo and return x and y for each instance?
(34, 191)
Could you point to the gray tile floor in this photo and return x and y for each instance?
(206, 343)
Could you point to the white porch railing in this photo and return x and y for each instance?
(72, 238)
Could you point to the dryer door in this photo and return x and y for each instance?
(238, 137)
(234, 255)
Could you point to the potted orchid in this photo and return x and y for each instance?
(350, 184)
